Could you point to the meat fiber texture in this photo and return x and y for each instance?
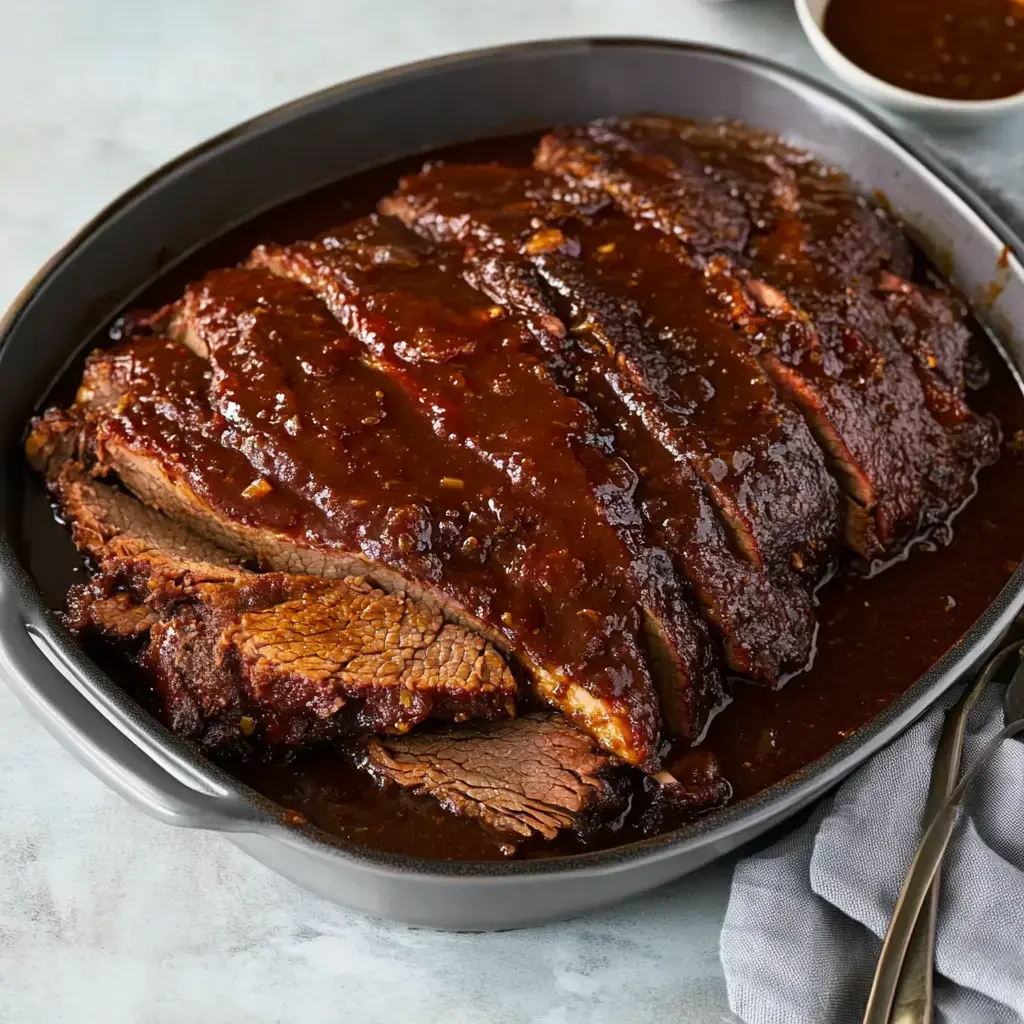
(534, 777)
(239, 658)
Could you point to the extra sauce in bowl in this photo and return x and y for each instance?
(954, 49)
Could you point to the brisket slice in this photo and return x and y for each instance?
(526, 564)
(295, 656)
(165, 447)
(766, 626)
(474, 370)
(532, 777)
(108, 523)
(535, 776)
(155, 431)
(765, 622)
(234, 657)
(309, 659)
(693, 380)
(727, 188)
(808, 302)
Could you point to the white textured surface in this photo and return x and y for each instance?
(108, 917)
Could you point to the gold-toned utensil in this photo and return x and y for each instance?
(902, 992)
(913, 999)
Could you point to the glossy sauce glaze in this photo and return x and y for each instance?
(877, 635)
(956, 49)
(380, 460)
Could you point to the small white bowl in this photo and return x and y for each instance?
(931, 109)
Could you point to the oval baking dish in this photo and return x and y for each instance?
(326, 137)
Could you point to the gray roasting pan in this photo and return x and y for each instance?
(323, 138)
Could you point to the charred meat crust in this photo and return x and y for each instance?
(800, 277)
(498, 214)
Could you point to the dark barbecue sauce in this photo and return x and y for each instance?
(877, 635)
(957, 49)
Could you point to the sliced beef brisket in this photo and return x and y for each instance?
(610, 416)
(472, 367)
(684, 425)
(230, 652)
(692, 380)
(108, 523)
(411, 528)
(309, 659)
(798, 276)
(535, 776)
(520, 573)
(532, 777)
(726, 188)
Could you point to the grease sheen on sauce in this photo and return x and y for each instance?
(956, 49)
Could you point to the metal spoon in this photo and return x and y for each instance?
(914, 996)
(917, 886)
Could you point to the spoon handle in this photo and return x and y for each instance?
(913, 999)
(915, 891)
(902, 992)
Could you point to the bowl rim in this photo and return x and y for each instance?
(793, 792)
(886, 92)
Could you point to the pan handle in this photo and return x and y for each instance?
(94, 740)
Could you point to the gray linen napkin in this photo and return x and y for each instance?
(805, 918)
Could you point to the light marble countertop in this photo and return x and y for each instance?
(108, 917)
